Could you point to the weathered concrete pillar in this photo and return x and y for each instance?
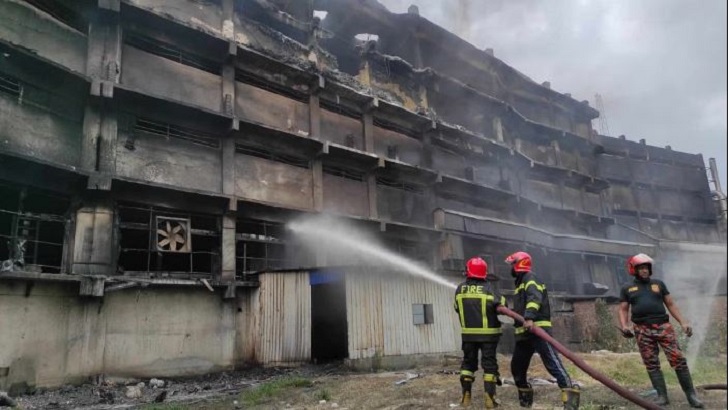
(229, 223)
(314, 109)
(95, 243)
(498, 129)
(103, 66)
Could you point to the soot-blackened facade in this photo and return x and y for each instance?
(153, 143)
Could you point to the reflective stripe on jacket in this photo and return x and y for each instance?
(531, 300)
(475, 303)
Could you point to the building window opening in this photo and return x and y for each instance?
(260, 246)
(422, 314)
(32, 230)
(160, 240)
(171, 52)
(68, 13)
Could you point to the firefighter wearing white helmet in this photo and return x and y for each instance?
(647, 298)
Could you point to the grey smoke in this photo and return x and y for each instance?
(660, 65)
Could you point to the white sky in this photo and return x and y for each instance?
(660, 65)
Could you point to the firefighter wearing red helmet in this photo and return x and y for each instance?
(532, 302)
(647, 297)
(476, 303)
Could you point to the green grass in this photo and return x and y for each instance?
(323, 395)
(265, 391)
(628, 370)
(165, 407)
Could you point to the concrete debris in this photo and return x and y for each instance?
(409, 377)
(108, 392)
(156, 383)
(133, 392)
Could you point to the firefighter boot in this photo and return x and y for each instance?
(489, 382)
(525, 396)
(658, 383)
(570, 397)
(686, 382)
(467, 383)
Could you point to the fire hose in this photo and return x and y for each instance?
(582, 364)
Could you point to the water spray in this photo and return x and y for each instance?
(347, 238)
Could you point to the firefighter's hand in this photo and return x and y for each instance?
(688, 330)
(627, 332)
(527, 324)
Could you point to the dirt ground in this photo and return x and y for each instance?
(335, 387)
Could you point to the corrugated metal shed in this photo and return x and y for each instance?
(283, 323)
(379, 312)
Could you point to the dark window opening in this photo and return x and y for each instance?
(395, 128)
(175, 131)
(268, 85)
(171, 52)
(271, 156)
(69, 16)
(167, 241)
(259, 246)
(340, 109)
(392, 152)
(32, 230)
(344, 173)
(422, 314)
(29, 94)
(404, 186)
(11, 87)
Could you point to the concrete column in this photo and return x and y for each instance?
(314, 110)
(95, 241)
(368, 131)
(318, 185)
(229, 224)
(103, 67)
(498, 129)
(372, 195)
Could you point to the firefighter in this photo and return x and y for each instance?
(531, 301)
(476, 303)
(647, 299)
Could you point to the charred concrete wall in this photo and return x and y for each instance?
(59, 338)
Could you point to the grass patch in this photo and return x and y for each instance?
(165, 407)
(265, 391)
(628, 370)
(323, 395)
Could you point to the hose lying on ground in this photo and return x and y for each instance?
(712, 387)
(582, 364)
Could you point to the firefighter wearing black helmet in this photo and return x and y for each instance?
(476, 303)
(647, 298)
(532, 302)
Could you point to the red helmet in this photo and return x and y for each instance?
(520, 261)
(637, 260)
(477, 268)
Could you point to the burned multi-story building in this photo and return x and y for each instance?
(152, 152)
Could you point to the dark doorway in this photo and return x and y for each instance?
(329, 336)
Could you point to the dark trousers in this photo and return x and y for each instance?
(522, 354)
(488, 359)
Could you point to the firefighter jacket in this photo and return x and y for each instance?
(476, 303)
(531, 300)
